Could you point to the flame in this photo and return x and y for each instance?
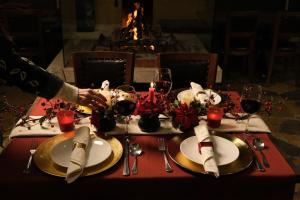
(131, 20)
(152, 84)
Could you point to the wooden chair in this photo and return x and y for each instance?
(25, 26)
(190, 66)
(285, 40)
(91, 68)
(240, 38)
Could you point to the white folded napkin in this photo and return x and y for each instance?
(78, 155)
(207, 152)
(105, 85)
(198, 92)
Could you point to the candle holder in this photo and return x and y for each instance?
(214, 116)
(65, 120)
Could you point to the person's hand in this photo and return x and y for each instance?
(91, 98)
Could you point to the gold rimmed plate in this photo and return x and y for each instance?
(243, 161)
(43, 161)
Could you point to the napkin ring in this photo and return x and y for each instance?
(79, 145)
(204, 144)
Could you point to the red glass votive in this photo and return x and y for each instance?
(65, 120)
(214, 116)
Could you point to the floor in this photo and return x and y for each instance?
(284, 120)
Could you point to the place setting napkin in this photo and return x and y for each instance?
(206, 150)
(198, 92)
(78, 156)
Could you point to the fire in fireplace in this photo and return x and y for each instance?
(134, 25)
(135, 33)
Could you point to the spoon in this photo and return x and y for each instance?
(135, 150)
(260, 145)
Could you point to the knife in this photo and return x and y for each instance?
(126, 171)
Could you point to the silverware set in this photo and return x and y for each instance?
(258, 144)
(135, 150)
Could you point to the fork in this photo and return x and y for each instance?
(32, 151)
(163, 148)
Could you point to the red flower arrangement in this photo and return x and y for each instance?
(147, 107)
(149, 110)
(185, 117)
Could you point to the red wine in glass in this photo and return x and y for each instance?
(163, 80)
(251, 100)
(163, 86)
(125, 107)
(250, 106)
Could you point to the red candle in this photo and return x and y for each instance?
(151, 92)
(214, 117)
(65, 120)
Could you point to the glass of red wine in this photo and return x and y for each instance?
(163, 80)
(251, 100)
(126, 99)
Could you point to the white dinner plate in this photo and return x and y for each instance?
(98, 151)
(215, 96)
(224, 150)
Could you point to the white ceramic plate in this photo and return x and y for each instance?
(98, 151)
(224, 150)
(188, 93)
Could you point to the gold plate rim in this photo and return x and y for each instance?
(43, 160)
(242, 162)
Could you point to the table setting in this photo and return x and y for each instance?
(219, 150)
(151, 104)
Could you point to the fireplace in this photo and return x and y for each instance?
(163, 26)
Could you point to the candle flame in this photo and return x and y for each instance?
(152, 84)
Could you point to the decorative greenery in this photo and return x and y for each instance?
(51, 107)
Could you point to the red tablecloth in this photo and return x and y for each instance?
(152, 182)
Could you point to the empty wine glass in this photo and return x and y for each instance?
(251, 100)
(125, 102)
(163, 80)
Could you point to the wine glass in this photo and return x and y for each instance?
(125, 102)
(163, 80)
(251, 100)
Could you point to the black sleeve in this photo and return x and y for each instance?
(23, 73)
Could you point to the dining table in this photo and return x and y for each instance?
(151, 182)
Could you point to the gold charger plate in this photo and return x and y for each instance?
(243, 161)
(44, 162)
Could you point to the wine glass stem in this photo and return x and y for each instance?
(247, 125)
(127, 118)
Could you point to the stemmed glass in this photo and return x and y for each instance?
(251, 100)
(126, 99)
(163, 80)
